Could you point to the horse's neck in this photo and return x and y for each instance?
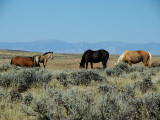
(46, 57)
(83, 60)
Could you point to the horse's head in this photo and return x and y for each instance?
(51, 55)
(82, 65)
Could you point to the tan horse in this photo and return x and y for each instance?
(43, 59)
(133, 57)
(23, 61)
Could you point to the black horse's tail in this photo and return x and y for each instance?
(106, 56)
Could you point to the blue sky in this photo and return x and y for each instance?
(80, 20)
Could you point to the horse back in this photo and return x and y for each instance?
(22, 61)
(95, 56)
(136, 55)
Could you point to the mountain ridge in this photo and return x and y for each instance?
(59, 46)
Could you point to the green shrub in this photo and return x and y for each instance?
(28, 99)
(23, 78)
(131, 75)
(146, 83)
(83, 77)
(117, 70)
(15, 96)
(114, 72)
(129, 90)
(105, 88)
(43, 76)
(77, 104)
(152, 104)
(46, 108)
(4, 67)
(122, 68)
(122, 65)
(111, 104)
(137, 69)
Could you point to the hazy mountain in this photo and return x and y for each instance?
(66, 47)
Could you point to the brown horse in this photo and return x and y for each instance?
(155, 64)
(23, 61)
(43, 59)
(133, 57)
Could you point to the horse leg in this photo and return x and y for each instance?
(145, 63)
(38, 64)
(86, 65)
(130, 63)
(91, 65)
(104, 64)
(44, 64)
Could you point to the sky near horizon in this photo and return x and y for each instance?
(135, 21)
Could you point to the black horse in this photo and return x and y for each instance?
(94, 57)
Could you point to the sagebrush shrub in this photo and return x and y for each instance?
(117, 70)
(23, 78)
(114, 72)
(122, 68)
(15, 95)
(28, 99)
(129, 90)
(111, 104)
(152, 104)
(6, 79)
(131, 75)
(77, 104)
(46, 108)
(83, 77)
(4, 67)
(137, 69)
(105, 88)
(43, 76)
(122, 65)
(146, 83)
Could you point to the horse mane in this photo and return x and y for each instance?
(47, 53)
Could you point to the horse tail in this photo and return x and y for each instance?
(34, 60)
(37, 60)
(11, 62)
(149, 60)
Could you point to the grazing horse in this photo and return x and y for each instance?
(94, 57)
(133, 57)
(155, 64)
(43, 59)
(23, 61)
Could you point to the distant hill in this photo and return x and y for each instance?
(66, 47)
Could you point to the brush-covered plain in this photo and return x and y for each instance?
(64, 91)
